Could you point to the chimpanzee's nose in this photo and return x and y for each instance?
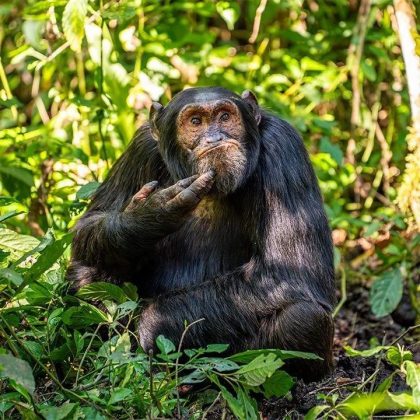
(216, 137)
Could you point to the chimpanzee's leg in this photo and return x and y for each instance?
(303, 326)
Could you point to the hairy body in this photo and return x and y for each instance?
(214, 212)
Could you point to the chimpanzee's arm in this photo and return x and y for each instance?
(114, 237)
(107, 238)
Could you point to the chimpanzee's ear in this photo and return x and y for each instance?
(155, 110)
(250, 98)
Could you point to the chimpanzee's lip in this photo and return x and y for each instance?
(230, 142)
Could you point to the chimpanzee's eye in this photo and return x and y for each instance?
(224, 117)
(195, 120)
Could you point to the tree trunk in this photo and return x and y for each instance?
(409, 193)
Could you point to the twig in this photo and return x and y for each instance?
(343, 293)
(85, 354)
(177, 362)
(386, 156)
(211, 406)
(413, 327)
(257, 21)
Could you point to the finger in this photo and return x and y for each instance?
(186, 182)
(202, 185)
(172, 191)
(145, 191)
(191, 196)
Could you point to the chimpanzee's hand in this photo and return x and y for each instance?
(170, 206)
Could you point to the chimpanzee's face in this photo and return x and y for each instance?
(204, 129)
(213, 135)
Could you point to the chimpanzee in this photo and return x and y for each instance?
(214, 212)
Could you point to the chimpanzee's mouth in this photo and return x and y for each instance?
(226, 143)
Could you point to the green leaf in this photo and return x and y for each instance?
(18, 370)
(229, 12)
(165, 345)
(6, 200)
(368, 70)
(102, 291)
(9, 215)
(235, 406)
(83, 316)
(397, 355)
(59, 413)
(86, 191)
(404, 401)
(412, 371)
(74, 22)
(216, 348)
(34, 348)
(315, 412)
(249, 355)
(16, 243)
(21, 174)
(195, 377)
(218, 364)
(45, 241)
(256, 372)
(119, 394)
(386, 292)
(278, 384)
(248, 403)
(333, 149)
(364, 353)
(49, 255)
(11, 276)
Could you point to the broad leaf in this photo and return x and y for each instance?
(18, 370)
(256, 372)
(15, 243)
(102, 291)
(278, 384)
(48, 257)
(119, 394)
(11, 276)
(83, 316)
(216, 348)
(386, 292)
(86, 191)
(59, 413)
(165, 345)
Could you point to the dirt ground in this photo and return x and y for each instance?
(355, 326)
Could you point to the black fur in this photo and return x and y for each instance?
(257, 265)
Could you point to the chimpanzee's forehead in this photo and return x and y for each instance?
(210, 96)
(202, 95)
(209, 106)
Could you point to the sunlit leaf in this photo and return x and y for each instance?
(100, 291)
(74, 22)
